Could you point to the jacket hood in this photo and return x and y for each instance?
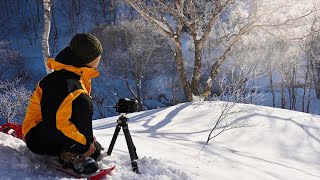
(67, 57)
(86, 72)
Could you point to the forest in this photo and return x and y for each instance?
(164, 52)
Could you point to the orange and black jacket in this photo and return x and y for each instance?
(62, 103)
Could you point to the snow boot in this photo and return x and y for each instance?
(78, 163)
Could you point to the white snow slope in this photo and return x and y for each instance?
(280, 144)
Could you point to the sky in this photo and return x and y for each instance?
(268, 144)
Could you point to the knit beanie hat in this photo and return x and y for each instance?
(85, 46)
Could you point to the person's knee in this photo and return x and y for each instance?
(39, 142)
(34, 146)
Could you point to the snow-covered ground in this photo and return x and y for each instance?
(281, 144)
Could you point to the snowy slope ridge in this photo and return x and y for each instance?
(281, 144)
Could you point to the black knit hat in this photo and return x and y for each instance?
(85, 46)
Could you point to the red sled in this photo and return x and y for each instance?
(13, 129)
(100, 174)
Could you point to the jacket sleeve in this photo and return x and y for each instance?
(65, 114)
(33, 115)
(82, 112)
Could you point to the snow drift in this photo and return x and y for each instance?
(279, 144)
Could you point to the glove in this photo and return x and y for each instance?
(98, 146)
(98, 150)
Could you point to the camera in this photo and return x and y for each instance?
(126, 105)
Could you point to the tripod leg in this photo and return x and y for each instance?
(114, 138)
(131, 148)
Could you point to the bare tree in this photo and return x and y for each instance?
(105, 8)
(54, 34)
(102, 12)
(12, 64)
(173, 81)
(94, 12)
(288, 66)
(73, 13)
(186, 14)
(13, 100)
(134, 55)
(310, 47)
(145, 53)
(282, 67)
(4, 59)
(236, 87)
(109, 10)
(273, 50)
(314, 60)
(310, 65)
(228, 20)
(46, 32)
(307, 84)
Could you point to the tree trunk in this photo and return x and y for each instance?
(315, 76)
(317, 87)
(38, 10)
(294, 90)
(283, 98)
(104, 10)
(214, 73)
(304, 90)
(317, 63)
(195, 83)
(294, 98)
(46, 32)
(138, 98)
(290, 98)
(182, 72)
(272, 91)
(309, 99)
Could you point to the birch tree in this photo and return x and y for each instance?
(47, 4)
(314, 60)
(307, 79)
(227, 19)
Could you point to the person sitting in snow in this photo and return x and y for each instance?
(58, 120)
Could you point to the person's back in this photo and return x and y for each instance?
(55, 88)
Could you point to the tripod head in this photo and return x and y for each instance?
(123, 120)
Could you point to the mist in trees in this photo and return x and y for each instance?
(217, 25)
(312, 50)
(173, 51)
(135, 55)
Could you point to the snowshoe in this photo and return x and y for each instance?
(78, 163)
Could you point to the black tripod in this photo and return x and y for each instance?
(123, 122)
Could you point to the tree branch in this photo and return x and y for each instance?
(151, 18)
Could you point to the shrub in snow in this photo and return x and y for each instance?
(14, 99)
